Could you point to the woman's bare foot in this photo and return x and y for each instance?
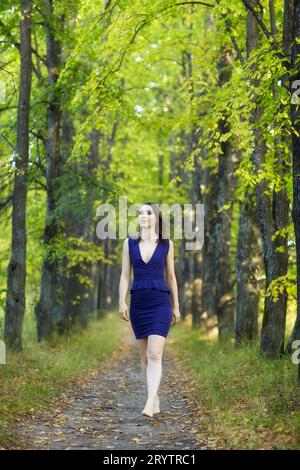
(149, 409)
(147, 412)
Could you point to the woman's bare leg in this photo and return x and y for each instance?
(155, 347)
(142, 346)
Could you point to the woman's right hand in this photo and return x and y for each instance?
(123, 310)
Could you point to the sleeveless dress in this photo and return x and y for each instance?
(150, 310)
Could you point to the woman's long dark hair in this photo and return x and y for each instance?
(159, 223)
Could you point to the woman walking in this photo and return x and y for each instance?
(154, 305)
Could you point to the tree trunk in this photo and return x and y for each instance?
(272, 216)
(248, 250)
(47, 313)
(86, 229)
(209, 247)
(247, 265)
(64, 306)
(295, 112)
(196, 304)
(16, 271)
(225, 188)
(192, 140)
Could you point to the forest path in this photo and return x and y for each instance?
(104, 412)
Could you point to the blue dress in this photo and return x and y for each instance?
(150, 310)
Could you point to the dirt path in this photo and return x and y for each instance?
(105, 411)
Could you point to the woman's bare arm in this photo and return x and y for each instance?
(124, 281)
(172, 282)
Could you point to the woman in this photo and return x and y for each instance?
(154, 305)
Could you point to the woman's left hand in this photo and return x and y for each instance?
(175, 315)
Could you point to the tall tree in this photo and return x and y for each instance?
(46, 310)
(16, 272)
(295, 80)
(273, 216)
(225, 187)
(248, 250)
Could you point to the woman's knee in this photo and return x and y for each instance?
(154, 354)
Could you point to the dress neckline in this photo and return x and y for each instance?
(151, 255)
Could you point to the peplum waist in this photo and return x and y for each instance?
(159, 284)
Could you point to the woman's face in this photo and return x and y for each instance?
(146, 216)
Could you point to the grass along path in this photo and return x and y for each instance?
(246, 402)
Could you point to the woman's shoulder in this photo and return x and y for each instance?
(132, 238)
(129, 240)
